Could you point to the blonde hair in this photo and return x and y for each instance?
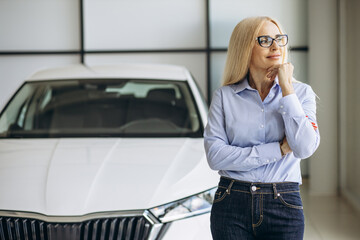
(240, 48)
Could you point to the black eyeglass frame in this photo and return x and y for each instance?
(273, 39)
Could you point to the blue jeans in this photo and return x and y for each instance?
(244, 210)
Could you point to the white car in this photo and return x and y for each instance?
(105, 152)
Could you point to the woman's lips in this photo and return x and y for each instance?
(275, 56)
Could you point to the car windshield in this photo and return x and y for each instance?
(102, 108)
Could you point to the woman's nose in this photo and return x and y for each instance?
(274, 46)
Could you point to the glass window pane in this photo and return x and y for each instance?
(15, 69)
(218, 60)
(98, 107)
(195, 62)
(225, 14)
(134, 24)
(300, 61)
(39, 25)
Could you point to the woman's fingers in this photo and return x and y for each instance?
(285, 74)
(280, 66)
(285, 146)
(272, 74)
(275, 66)
(273, 71)
(283, 71)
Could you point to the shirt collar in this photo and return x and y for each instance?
(244, 84)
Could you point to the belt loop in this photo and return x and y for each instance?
(229, 188)
(275, 191)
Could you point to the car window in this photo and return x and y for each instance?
(102, 107)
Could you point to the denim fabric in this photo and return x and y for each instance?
(244, 210)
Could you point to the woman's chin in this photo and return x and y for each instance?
(273, 62)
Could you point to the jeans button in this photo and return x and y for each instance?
(253, 188)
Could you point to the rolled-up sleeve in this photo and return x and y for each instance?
(301, 128)
(223, 156)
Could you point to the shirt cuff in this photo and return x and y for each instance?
(269, 152)
(290, 106)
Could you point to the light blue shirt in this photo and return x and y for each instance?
(243, 132)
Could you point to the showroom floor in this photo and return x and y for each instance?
(329, 218)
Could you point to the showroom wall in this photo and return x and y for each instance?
(323, 77)
(349, 114)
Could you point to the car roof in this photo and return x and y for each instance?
(123, 70)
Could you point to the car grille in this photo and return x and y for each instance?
(122, 228)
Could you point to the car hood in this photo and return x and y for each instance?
(69, 177)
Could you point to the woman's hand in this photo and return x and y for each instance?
(285, 73)
(284, 147)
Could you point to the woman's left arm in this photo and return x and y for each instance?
(301, 129)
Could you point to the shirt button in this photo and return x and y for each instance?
(267, 160)
(262, 126)
(274, 159)
(284, 113)
(262, 110)
(253, 188)
(281, 106)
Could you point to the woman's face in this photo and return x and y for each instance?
(263, 58)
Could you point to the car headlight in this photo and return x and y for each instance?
(184, 208)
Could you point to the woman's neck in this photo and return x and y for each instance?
(259, 81)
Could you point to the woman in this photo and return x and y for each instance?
(261, 123)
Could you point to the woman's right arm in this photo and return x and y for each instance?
(223, 156)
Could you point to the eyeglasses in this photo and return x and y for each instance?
(267, 41)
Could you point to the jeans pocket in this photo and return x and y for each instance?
(291, 200)
(220, 195)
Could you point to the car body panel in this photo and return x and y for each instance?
(196, 228)
(145, 71)
(79, 176)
